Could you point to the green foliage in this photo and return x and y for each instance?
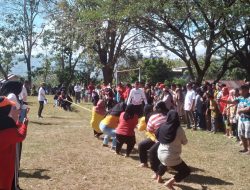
(155, 70)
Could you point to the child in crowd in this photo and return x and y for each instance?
(10, 134)
(110, 123)
(98, 114)
(171, 137)
(56, 99)
(214, 113)
(125, 130)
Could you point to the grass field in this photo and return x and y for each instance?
(60, 152)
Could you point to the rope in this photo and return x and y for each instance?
(78, 105)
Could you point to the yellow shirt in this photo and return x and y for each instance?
(95, 120)
(142, 126)
(111, 121)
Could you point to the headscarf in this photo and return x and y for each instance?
(6, 122)
(167, 132)
(148, 109)
(100, 107)
(231, 95)
(118, 109)
(14, 87)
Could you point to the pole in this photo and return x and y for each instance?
(139, 74)
(116, 77)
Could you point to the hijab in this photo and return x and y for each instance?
(6, 122)
(167, 132)
(100, 107)
(118, 109)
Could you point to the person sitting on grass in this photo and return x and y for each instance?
(171, 137)
(110, 123)
(125, 131)
(98, 114)
(10, 134)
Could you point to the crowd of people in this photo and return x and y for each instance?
(158, 110)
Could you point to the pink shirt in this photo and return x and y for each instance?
(155, 121)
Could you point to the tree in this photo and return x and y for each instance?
(23, 18)
(109, 33)
(182, 27)
(9, 48)
(155, 70)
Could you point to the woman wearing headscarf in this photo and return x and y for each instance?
(98, 114)
(171, 137)
(12, 89)
(10, 134)
(110, 123)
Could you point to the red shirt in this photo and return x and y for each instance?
(223, 105)
(8, 139)
(127, 127)
(126, 93)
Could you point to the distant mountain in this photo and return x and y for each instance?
(21, 68)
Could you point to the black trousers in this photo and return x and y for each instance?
(41, 103)
(129, 140)
(153, 157)
(143, 148)
(182, 171)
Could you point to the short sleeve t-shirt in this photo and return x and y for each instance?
(243, 103)
(189, 98)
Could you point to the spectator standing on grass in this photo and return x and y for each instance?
(137, 97)
(41, 99)
(214, 108)
(171, 137)
(189, 103)
(199, 110)
(243, 111)
(77, 89)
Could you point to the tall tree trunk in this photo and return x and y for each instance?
(107, 74)
(200, 77)
(28, 61)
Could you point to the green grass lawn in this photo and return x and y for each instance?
(60, 152)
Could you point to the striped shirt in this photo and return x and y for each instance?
(155, 121)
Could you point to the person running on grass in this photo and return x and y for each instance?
(171, 137)
(125, 131)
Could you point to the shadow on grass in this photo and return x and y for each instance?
(194, 169)
(34, 173)
(184, 187)
(42, 123)
(206, 180)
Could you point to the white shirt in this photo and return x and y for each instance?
(136, 97)
(13, 98)
(189, 99)
(169, 154)
(41, 94)
(23, 95)
(77, 88)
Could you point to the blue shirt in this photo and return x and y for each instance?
(243, 103)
